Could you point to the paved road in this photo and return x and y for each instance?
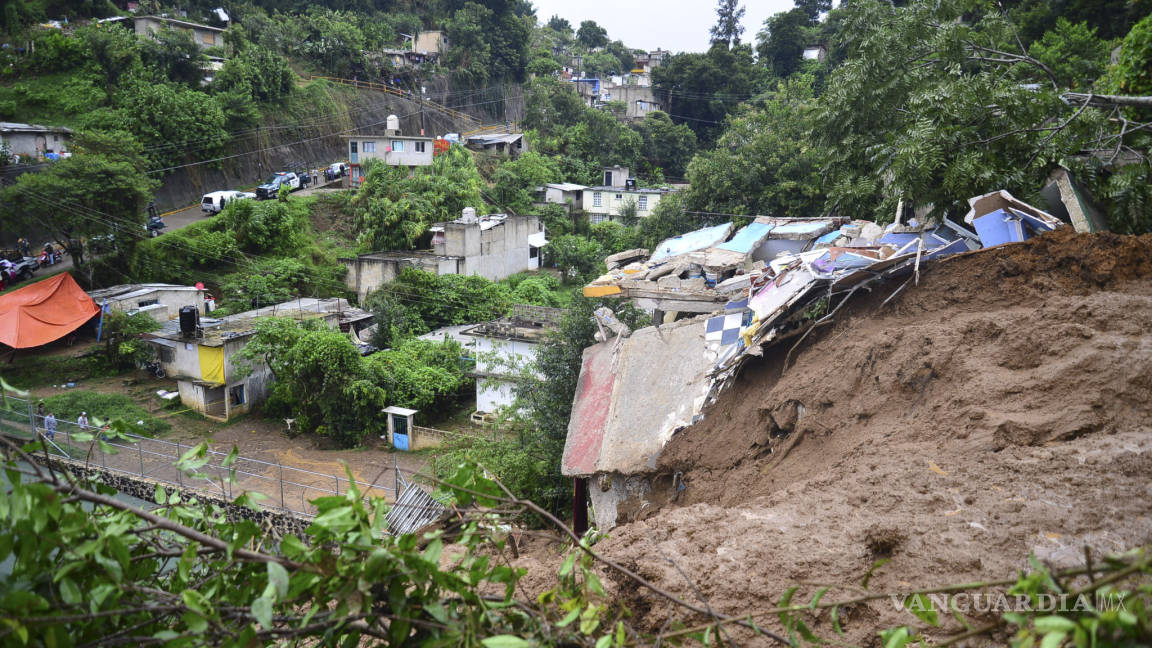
(175, 220)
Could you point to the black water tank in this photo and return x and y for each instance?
(630, 183)
(189, 318)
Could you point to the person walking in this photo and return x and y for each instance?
(315, 176)
(50, 426)
(40, 414)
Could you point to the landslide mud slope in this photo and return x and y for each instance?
(1001, 408)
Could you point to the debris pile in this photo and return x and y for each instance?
(773, 280)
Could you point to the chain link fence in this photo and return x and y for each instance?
(286, 487)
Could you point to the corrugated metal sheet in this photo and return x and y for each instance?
(413, 511)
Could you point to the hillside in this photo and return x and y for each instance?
(1000, 409)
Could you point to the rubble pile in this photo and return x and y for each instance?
(778, 277)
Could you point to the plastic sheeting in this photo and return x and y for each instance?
(44, 312)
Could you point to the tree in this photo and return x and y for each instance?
(1074, 53)
(174, 57)
(813, 8)
(393, 320)
(580, 259)
(667, 146)
(764, 163)
(258, 73)
(702, 89)
(727, 29)
(393, 209)
(83, 197)
(974, 114)
(591, 35)
(556, 23)
(782, 41)
(320, 380)
(601, 64)
(421, 375)
(515, 180)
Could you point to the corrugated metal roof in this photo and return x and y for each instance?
(414, 510)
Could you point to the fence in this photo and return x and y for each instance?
(399, 92)
(424, 437)
(286, 487)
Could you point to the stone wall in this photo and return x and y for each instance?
(276, 524)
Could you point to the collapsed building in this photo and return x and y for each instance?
(720, 295)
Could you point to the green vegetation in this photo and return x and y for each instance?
(322, 381)
(253, 253)
(105, 407)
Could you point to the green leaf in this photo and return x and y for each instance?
(568, 618)
(604, 642)
(262, 610)
(1053, 639)
(569, 563)
(922, 607)
(505, 641)
(1053, 623)
(278, 577)
(895, 637)
(161, 495)
(69, 592)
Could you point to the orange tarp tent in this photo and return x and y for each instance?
(44, 311)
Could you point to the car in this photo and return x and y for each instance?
(214, 203)
(271, 188)
(337, 170)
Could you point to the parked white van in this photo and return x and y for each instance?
(213, 203)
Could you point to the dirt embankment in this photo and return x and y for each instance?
(1001, 408)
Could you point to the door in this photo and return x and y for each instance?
(400, 432)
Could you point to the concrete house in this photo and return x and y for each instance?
(211, 377)
(510, 144)
(501, 346)
(493, 246)
(561, 193)
(430, 42)
(202, 35)
(160, 301)
(391, 148)
(603, 203)
(33, 140)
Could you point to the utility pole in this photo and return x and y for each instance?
(422, 91)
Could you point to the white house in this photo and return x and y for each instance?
(502, 347)
(561, 193)
(34, 140)
(212, 379)
(160, 301)
(391, 148)
(604, 202)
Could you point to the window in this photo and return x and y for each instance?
(237, 395)
(619, 196)
(369, 147)
(533, 252)
(397, 146)
(597, 218)
(419, 147)
(209, 38)
(352, 148)
(642, 203)
(597, 199)
(147, 302)
(166, 354)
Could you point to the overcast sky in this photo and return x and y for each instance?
(676, 25)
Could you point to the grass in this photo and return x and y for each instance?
(106, 407)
